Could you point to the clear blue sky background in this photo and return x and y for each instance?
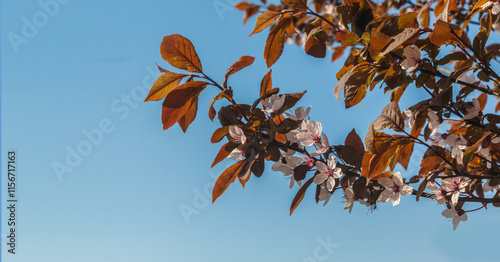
(123, 201)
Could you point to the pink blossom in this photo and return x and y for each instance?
(412, 54)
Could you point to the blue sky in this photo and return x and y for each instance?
(87, 68)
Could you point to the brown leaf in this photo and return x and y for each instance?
(378, 42)
(276, 40)
(258, 166)
(163, 85)
(225, 179)
(179, 52)
(224, 152)
(315, 45)
(264, 21)
(267, 84)
(300, 195)
(226, 93)
(296, 4)
(291, 100)
(300, 172)
(243, 62)
(441, 34)
(190, 115)
(357, 85)
(338, 51)
(401, 38)
(341, 83)
(482, 100)
(355, 142)
(179, 101)
(250, 12)
(242, 6)
(389, 118)
(170, 115)
(183, 93)
(219, 134)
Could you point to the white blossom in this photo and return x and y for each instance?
(237, 134)
(350, 197)
(496, 7)
(299, 113)
(394, 188)
(328, 173)
(456, 216)
(411, 118)
(453, 187)
(309, 133)
(275, 103)
(434, 121)
(473, 111)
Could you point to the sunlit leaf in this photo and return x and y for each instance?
(442, 33)
(389, 118)
(225, 179)
(190, 115)
(179, 101)
(179, 52)
(163, 85)
(276, 40)
(264, 21)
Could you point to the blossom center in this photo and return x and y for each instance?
(316, 138)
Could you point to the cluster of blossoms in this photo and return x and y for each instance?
(309, 137)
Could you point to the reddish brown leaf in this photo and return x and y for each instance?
(429, 164)
(296, 4)
(378, 42)
(389, 118)
(219, 134)
(341, 83)
(355, 142)
(249, 12)
(276, 40)
(190, 115)
(180, 53)
(315, 44)
(225, 179)
(242, 6)
(243, 62)
(178, 102)
(442, 33)
(224, 152)
(338, 51)
(226, 93)
(409, 35)
(404, 155)
(300, 195)
(264, 21)
(163, 85)
(170, 115)
(482, 100)
(267, 83)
